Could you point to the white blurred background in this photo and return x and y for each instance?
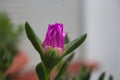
(100, 19)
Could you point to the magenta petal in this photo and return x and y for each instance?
(55, 37)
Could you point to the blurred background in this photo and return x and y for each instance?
(100, 19)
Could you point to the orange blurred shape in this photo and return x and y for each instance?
(31, 75)
(76, 66)
(19, 61)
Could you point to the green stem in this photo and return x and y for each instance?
(48, 72)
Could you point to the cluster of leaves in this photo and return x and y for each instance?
(9, 38)
(85, 74)
(51, 61)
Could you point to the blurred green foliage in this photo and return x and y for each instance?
(9, 38)
(85, 73)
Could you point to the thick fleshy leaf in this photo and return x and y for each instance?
(7, 77)
(64, 67)
(72, 45)
(85, 74)
(74, 78)
(33, 38)
(40, 71)
(102, 76)
(111, 77)
(50, 59)
(67, 39)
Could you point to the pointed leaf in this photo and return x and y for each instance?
(33, 38)
(102, 76)
(110, 77)
(74, 78)
(50, 59)
(67, 40)
(85, 74)
(88, 76)
(40, 71)
(72, 45)
(64, 67)
(7, 77)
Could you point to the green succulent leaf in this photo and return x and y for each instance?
(74, 78)
(8, 77)
(111, 77)
(85, 74)
(50, 59)
(64, 67)
(67, 39)
(40, 71)
(102, 76)
(33, 38)
(72, 45)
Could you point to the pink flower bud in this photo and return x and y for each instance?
(55, 36)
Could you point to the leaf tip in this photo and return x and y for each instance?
(85, 35)
(26, 24)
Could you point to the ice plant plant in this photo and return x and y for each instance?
(53, 45)
(53, 49)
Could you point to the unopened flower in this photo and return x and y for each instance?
(55, 37)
